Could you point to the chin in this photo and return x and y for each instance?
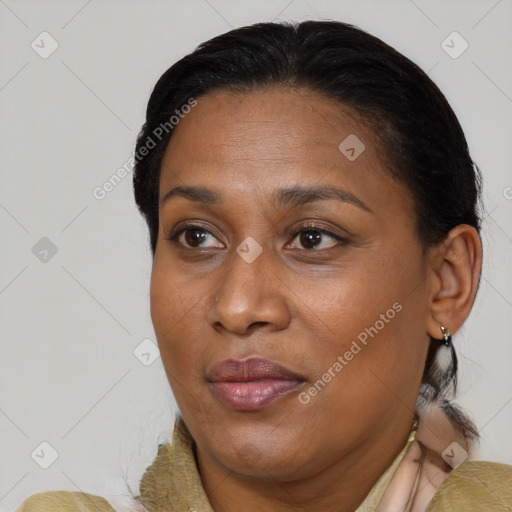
(250, 462)
(259, 453)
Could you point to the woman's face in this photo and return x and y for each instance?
(289, 291)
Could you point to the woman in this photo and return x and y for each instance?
(313, 215)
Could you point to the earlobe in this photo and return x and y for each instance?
(455, 273)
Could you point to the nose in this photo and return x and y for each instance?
(249, 295)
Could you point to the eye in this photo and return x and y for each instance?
(195, 237)
(312, 237)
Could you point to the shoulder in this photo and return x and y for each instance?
(482, 486)
(64, 501)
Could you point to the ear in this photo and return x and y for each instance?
(455, 266)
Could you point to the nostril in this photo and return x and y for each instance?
(257, 324)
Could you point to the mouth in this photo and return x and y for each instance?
(252, 384)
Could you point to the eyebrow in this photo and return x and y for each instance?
(292, 196)
(300, 195)
(193, 193)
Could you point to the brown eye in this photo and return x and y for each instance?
(196, 237)
(316, 239)
(310, 239)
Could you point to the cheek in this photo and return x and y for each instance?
(378, 304)
(172, 306)
(178, 308)
(173, 297)
(349, 301)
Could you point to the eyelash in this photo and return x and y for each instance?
(308, 226)
(303, 227)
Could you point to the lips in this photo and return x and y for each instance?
(252, 384)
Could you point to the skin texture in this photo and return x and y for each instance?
(300, 307)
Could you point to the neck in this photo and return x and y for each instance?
(341, 487)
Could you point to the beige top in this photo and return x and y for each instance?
(172, 484)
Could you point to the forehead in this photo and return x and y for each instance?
(273, 124)
(275, 137)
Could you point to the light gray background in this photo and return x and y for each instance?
(69, 325)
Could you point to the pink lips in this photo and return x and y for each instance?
(252, 384)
